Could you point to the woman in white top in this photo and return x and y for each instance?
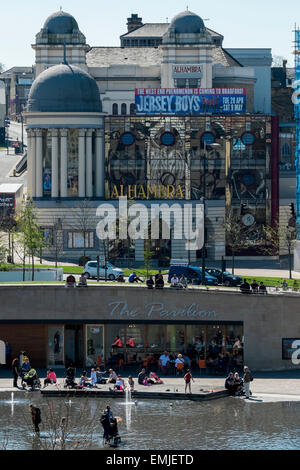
(120, 384)
(174, 281)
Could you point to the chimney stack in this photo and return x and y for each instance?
(134, 22)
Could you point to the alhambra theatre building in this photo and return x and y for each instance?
(169, 116)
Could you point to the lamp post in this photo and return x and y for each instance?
(214, 145)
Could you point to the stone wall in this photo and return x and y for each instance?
(267, 319)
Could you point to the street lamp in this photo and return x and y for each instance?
(213, 145)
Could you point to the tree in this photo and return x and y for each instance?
(83, 222)
(31, 234)
(235, 235)
(277, 234)
(64, 427)
(148, 253)
(277, 61)
(55, 242)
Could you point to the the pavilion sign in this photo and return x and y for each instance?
(156, 310)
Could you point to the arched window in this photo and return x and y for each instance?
(115, 109)
(132, 108)
(123, 108)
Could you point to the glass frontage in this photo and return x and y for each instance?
(142, 344)
(55, 350)
(94, 344)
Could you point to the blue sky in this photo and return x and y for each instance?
(259, 23)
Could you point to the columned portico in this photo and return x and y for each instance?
(63, 163)
(89, 164)
(81, 162)
(39, 163)
(54, 163)
(100, 163)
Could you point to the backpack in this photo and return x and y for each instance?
(38, 415)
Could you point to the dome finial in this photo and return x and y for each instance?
(60, 8)
(187, 8)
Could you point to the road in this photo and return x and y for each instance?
(15, 132)
(7, 164)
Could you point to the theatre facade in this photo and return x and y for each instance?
(170, 116)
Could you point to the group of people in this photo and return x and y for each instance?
(71, 281)
(285, 285)
(177, 283)
(253, 288)
(180, 363)
(96, 377)
(21, 368)
(237, 385)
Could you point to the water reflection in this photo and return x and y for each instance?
(226, 424)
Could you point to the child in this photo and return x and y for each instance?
(130, 383)
(93, 377)
(187, 378)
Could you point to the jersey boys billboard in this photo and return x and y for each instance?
(190, 100)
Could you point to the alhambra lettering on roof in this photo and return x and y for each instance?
(156, 310)
(187, 69)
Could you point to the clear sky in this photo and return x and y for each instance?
(256, 23)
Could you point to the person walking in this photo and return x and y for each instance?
(15, 371)
(36, 418)
(187, 378)
(106, 416)
(247, 379)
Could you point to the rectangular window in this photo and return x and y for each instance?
(55, 350)
(94, 345)
(175, 338)
(76, 240)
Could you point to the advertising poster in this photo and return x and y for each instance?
(194, 101)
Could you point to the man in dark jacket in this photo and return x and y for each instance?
(15, 371)
(247, 379)
(245, 287)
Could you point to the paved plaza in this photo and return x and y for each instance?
(266, 387)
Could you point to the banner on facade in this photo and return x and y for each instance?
(191, 101)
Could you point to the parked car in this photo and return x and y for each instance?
(90, 271)
(193, 274)
(228, 279)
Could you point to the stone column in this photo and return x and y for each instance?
(100, 163)
(39, 163)
(32, 186)
(81, 162)
(63, 163)
(54, 163)
(89, 164)
(29, 161)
